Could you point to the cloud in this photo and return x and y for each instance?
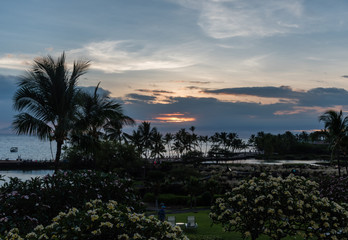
(7, 86)
(154, 92)
(301, 109)
(239, 18)
(212, 114)
(199, 82)
(118, 56)
(254, 62)
(16, 62)
(270, 91)
(127, 55)
(7, 90)
(323, 97)
(196, 82)
(139, 97)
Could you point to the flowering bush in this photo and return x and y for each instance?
(280, 207)
(25, 204)
(98, 220)
(334, 188)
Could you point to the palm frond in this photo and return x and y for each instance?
(24, 123)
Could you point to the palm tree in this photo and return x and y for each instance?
(168, 138)
(135, 139)
(46, 99)
(336, 128)
(193, 139)
(157, 146)
(96, 115)
(146, 133)
(182, 141)
(113, 129)
(205, 140)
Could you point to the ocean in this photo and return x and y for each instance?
(23, 174)
(29, 148)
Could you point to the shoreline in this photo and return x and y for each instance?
(26, 164)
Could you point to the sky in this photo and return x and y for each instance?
(239, 66)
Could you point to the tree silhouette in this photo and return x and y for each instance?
(46, 99)
(336, 128)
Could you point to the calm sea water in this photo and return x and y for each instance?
(28, 148)
(24, 175)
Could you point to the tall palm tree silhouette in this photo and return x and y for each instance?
(336, 128)
(46, 99)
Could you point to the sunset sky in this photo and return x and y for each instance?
(220, 65)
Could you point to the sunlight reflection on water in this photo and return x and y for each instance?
(24, 175)
(269, 162)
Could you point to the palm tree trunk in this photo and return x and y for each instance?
(59, 151)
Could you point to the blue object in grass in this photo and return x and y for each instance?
(162, 213)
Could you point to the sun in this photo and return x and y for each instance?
(174, 118)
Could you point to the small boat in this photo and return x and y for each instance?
(14, 149)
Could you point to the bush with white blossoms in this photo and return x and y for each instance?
(280, 207)
(25, 204)
(102, 221)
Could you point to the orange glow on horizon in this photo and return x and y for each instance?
(174, 118)
(308, 130)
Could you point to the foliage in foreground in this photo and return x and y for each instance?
(24, 204)
(334, 188)
(280, 207)
(102, 221)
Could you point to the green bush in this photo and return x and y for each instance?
(25, 204)
(192, 156)
(204, 199)
(280, 207)
(107, 157)
(172, 199)
(149, 197)
(102, 221)
(200, 237)
(335, 188)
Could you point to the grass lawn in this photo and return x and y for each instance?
(204, 230)
(207, 232)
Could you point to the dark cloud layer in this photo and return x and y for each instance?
(140, 97)
(7, 90)
(314, 97)
(273, 92)
(213, 115)
(7, 86)
(324, 97)
(153, 91)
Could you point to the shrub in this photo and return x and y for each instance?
(280, 207)
(109, 156)
(149, 197)
(204, 199)
(102, 221)
(192, 156)
(25, 204)
(200, 237)
(172, 199)
(334, 188)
